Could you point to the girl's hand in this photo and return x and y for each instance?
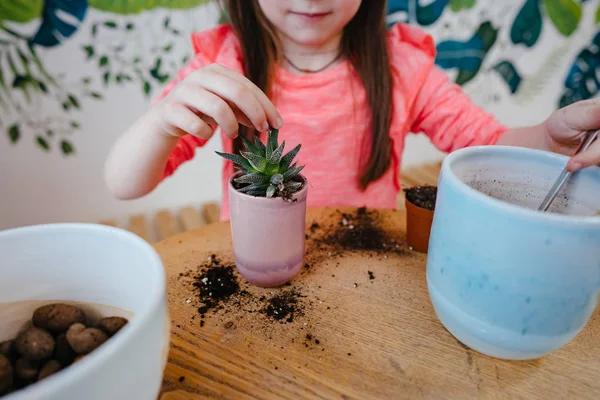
(566, 127)
(211, 96)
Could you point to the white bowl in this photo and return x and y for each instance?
(92, 265)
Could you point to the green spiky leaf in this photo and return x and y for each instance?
(265, 171)
(251, 147)
(272, 169)
(253, 178)
(232, 157)
(256, 193)
(276, 179)
(244, 170)
(261, 187)
(260, 145)
(238, 160)
(276, 156)
(257, 162)
(286, 160)
(272, 140)
(290, 173)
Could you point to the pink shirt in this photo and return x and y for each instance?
(328, 113)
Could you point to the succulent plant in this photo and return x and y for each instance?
(266, 171)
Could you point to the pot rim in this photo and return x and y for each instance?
(407, 201)
(450, 176)
(299, 194)
(420, 210)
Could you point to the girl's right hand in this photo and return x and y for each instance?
(211, 96)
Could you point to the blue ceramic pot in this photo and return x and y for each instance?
(505, 279)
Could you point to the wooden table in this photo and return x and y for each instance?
(359, 338)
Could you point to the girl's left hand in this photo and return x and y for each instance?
(566, 127)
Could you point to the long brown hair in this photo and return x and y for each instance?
(364, 44)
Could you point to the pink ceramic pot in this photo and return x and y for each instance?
(268, 236)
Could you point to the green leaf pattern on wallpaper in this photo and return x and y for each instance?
(564, 14)
(136, 6)
(468, 58)
(458, 5)
(527, 26)
(20, 10)
(116, 51)
(131, 45)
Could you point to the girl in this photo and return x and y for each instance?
(338, 82)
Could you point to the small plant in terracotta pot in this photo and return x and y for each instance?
(420, 206)
(267, 198)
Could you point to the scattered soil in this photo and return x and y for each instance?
(311, 342)
(215, 285)
(360, 231)
(283, 306)
(218, 287)
(232, 303)
(422, 196)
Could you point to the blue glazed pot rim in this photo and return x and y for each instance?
(514, 209)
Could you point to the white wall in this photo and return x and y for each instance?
(38, 187)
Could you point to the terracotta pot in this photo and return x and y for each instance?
(268, 236)
(418, 226)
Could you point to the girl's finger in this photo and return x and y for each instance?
(273, 115)
(182, 120)
(206, 119)
(570, 122)
(236, 93)
(212, 106)
(586, 159)
(241, 117)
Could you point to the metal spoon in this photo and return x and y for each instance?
(589, 137)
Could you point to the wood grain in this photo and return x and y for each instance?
(211, 212)
(409, 180)
(424, 176)
(378, 340)
(166, 225)
(190, 219)
(138, 224)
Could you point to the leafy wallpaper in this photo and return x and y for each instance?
(467, 56)
(127, 45)
(117, 54)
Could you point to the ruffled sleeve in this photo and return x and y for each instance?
(216, 45)
(428, 102)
